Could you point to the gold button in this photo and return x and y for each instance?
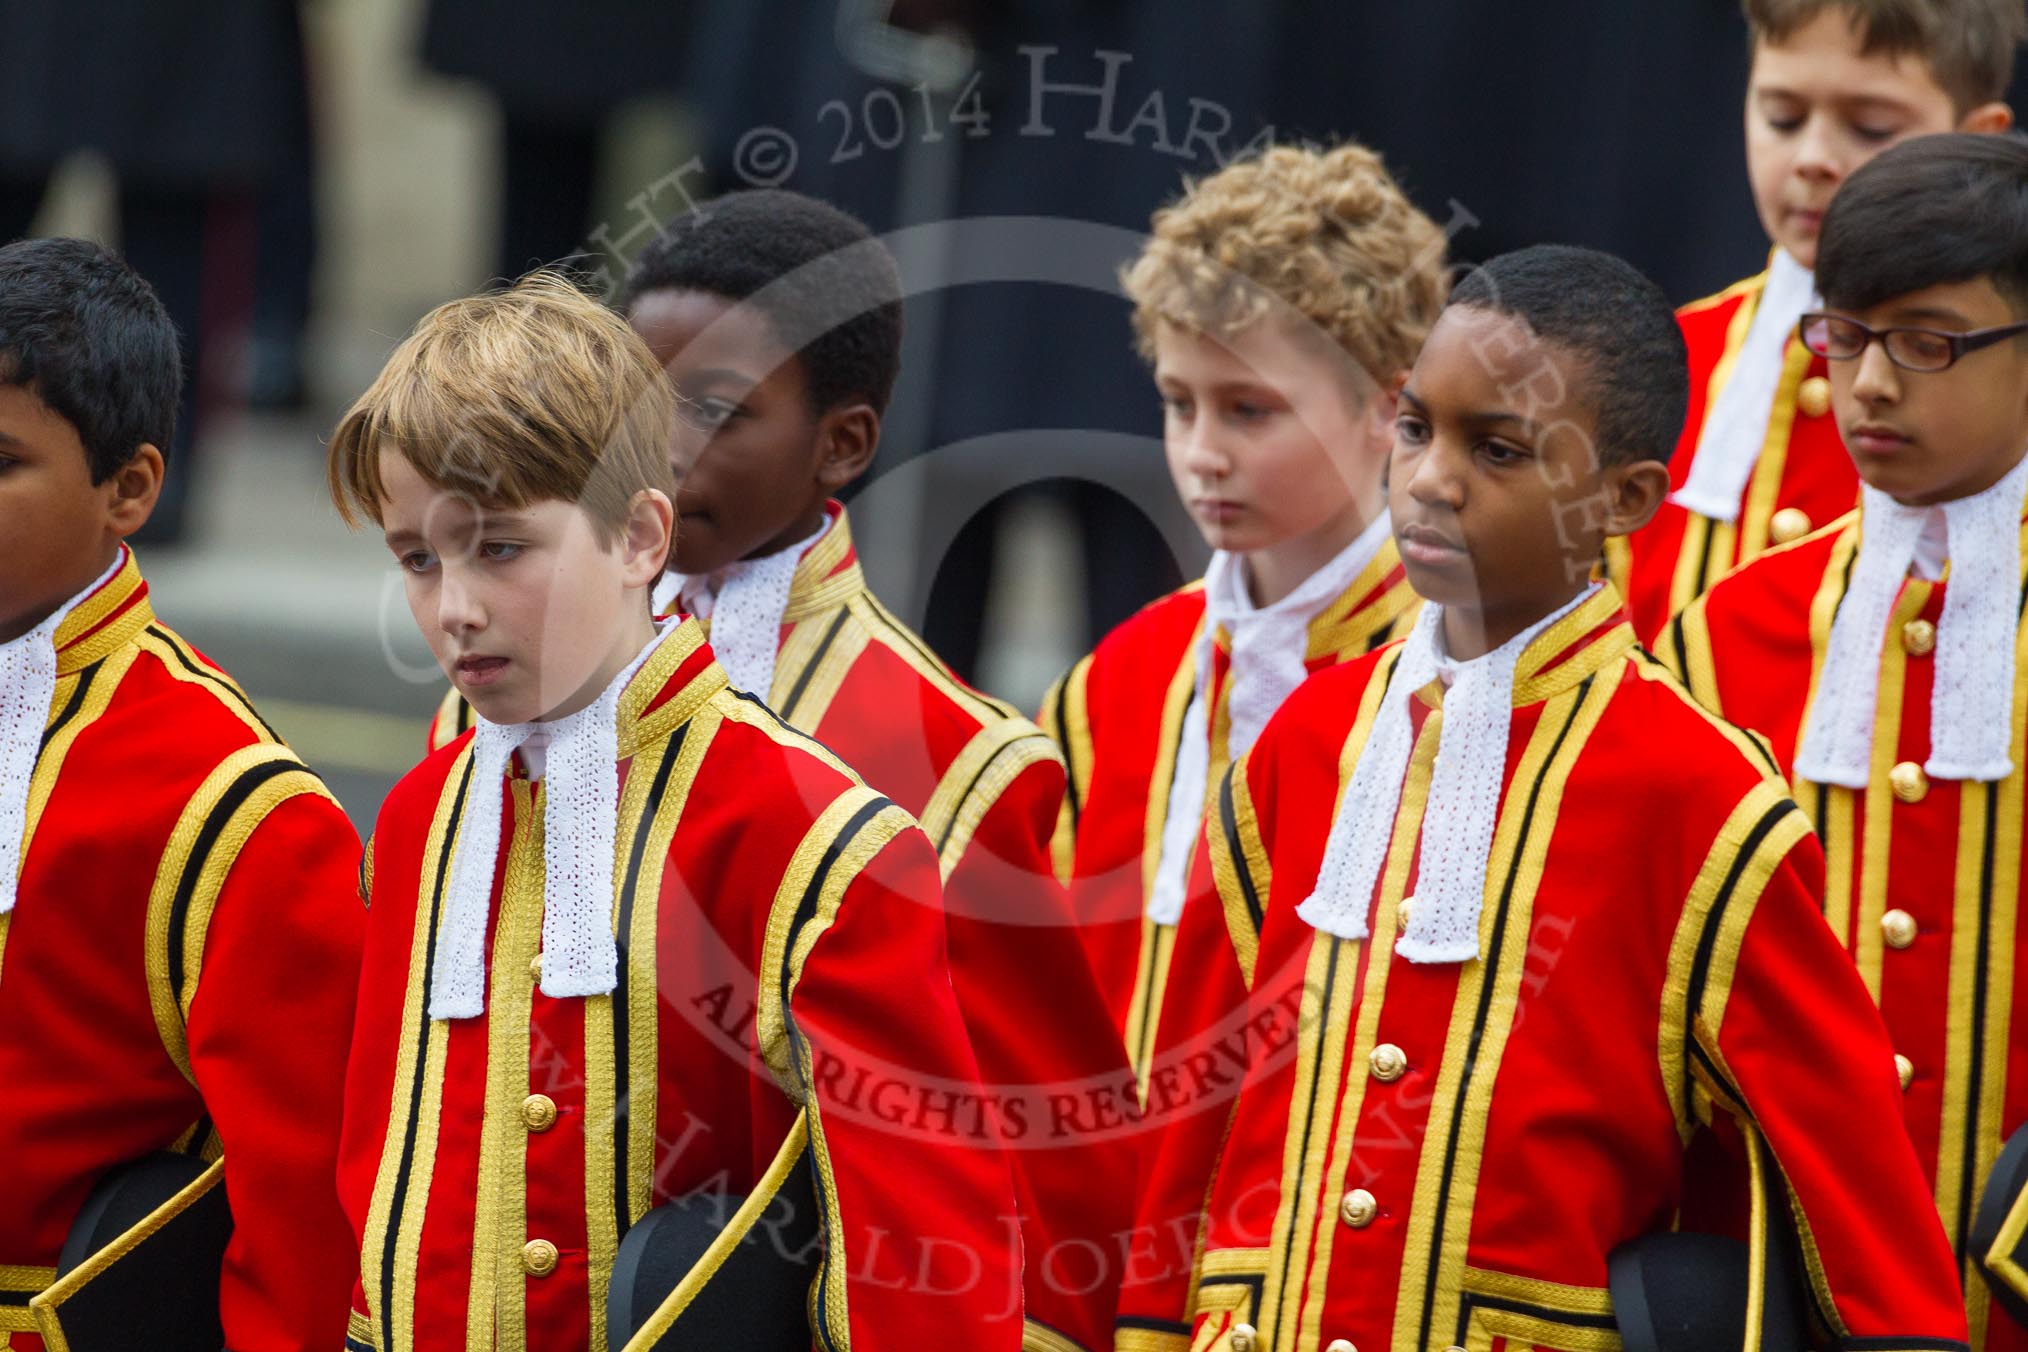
(1389, 1063)
(1905, 1068)
(539, 1112)
(1358, 1208)
(1790, 523)
(1813, 396)
(1909, 783)
(535, 968)
(1340, 1345)
(538, 1256)
(1244, 1339)
(1899, 927)
(1918, 638)
(1402, 909)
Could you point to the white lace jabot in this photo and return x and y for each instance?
(581, 801)
(1972, 702)
(1464, 797)
(27, 687)
(1269, 645)
(1735, 429)
(744, 602)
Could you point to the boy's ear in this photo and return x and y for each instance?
(1989, 118)
(1634, 493)
(648, 537)
(847, 438)
(133, 489)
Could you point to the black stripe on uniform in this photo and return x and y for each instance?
(70, 708)
(402, 1171)
(1228, 820)
(1486, 986)
(622, 1209)
(200, 853)
(1707, 942)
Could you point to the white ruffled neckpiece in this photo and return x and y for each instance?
(1735, 430)
(1269, 647)
(1463, 804)
(581, 804)
(27, 688)
(744, 602)
(1972, 701)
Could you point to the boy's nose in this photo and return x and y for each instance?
(1434, 482)
(1816, 155)
(1204, 454)
(1876, 380)
(458, 607)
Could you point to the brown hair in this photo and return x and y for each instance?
(1969, 44)
(1324, 236)
(532, 392)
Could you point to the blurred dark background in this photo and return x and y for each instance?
(302, 180)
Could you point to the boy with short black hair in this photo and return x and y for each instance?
(1833, 83)
(180, 921)
(1880, 656)
(778, 318)
(630, 934)
(1487, 1028)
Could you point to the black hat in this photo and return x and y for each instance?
(140, 1268)
(725, 1272)
(2004, 1188)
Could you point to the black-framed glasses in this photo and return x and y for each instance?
(1841, 339)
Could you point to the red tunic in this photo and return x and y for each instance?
(1803, 478)
(986, 785)
(1924, 882)
(178, 972)
(1429, 1155)
(1118, 715)
(491, 1164)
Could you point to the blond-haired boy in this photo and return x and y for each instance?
(630, 935)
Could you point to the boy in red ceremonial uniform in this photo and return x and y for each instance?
(1834, 82)
(1279, 301)
(778, 318)
(1489, 1018)
(631, 923)
(1891, 691)
(180, 920)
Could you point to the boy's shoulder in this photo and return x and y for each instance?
(182, 715)
(1780, 586)
(903, 658)
(1159, 633)
(1707, 322)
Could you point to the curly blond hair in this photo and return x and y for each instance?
(1324, 238)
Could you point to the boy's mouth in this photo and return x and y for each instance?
(1426, 545)
(1877, 439)
(477, 670)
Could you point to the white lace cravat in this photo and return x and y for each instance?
(581, 803)
(1464, 797)
(1735, 429)
(27, 688)
(744, 602)
(1971, 718)
(1269, 645)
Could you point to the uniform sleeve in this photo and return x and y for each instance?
(1048, 1049)
(1779, 1032)
(269, 1025)
(1200, 1062)
(922, 1236)
(1066, 717)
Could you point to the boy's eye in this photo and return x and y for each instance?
(1176, 406)
(417, 561)
(1247, 411)
(715, 413)
(1785, 125)
(499, 550)
(1875, 134)
(1500, 453)
(1412, 430)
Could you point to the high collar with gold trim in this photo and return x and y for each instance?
(1580, 645)
(829, 572)
(112, 616)
(668, 690)
(1369, 605)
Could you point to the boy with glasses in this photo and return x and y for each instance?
(1879, 657)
